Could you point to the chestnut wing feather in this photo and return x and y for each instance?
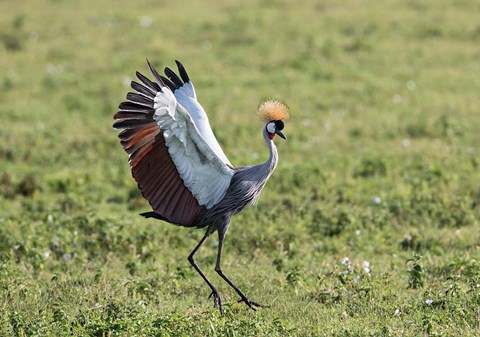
(150, 161)
(169, 196)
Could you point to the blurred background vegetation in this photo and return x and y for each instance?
(380, 166)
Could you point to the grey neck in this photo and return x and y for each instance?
(272, 161)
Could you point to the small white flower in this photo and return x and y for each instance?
(46, 254)
(33, 36)
(346, 261)
(307, 122)
(397, 312)
(366, 267)
(206, 45)
(377, 200)
(397, 98)
(428, 301)
(146, 21)
(344, 313)
(96, 305)
(411, 85)
(327, 125)
(357, 232)
(51, 68)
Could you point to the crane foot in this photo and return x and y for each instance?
(217, 300)
(251, 304)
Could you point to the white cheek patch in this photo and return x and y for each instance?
(271, 127)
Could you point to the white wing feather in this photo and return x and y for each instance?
(202, 170)
(187, 98)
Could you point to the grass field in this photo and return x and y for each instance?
(368, 227)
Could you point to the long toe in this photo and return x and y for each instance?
(217, 300)
(251, 304)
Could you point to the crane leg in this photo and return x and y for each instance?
(218, 269)
(217, 301)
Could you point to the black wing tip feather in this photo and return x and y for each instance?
(169, 83)
(147, 82)
(171, 80)
(155, 74)
(173, 77)
(182, 71)
(142, 101)
(142, 89)
(131, 123)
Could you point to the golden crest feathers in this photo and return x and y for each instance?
(273, 110)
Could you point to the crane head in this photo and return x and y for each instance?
(273, 112)
(275, 128)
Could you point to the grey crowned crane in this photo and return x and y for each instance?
(179, 165)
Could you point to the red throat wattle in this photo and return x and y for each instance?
(271, 135)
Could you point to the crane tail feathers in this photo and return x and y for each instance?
(154, 215)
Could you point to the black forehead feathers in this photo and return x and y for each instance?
(279, 125)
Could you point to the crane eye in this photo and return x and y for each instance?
(271, 127)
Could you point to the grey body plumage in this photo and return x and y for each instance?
(244, 190)
(155, 166)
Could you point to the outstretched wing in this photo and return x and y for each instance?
(184, 92)
(176, 170)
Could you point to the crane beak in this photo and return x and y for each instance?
(280, 133)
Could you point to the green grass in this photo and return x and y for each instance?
(381, 165)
